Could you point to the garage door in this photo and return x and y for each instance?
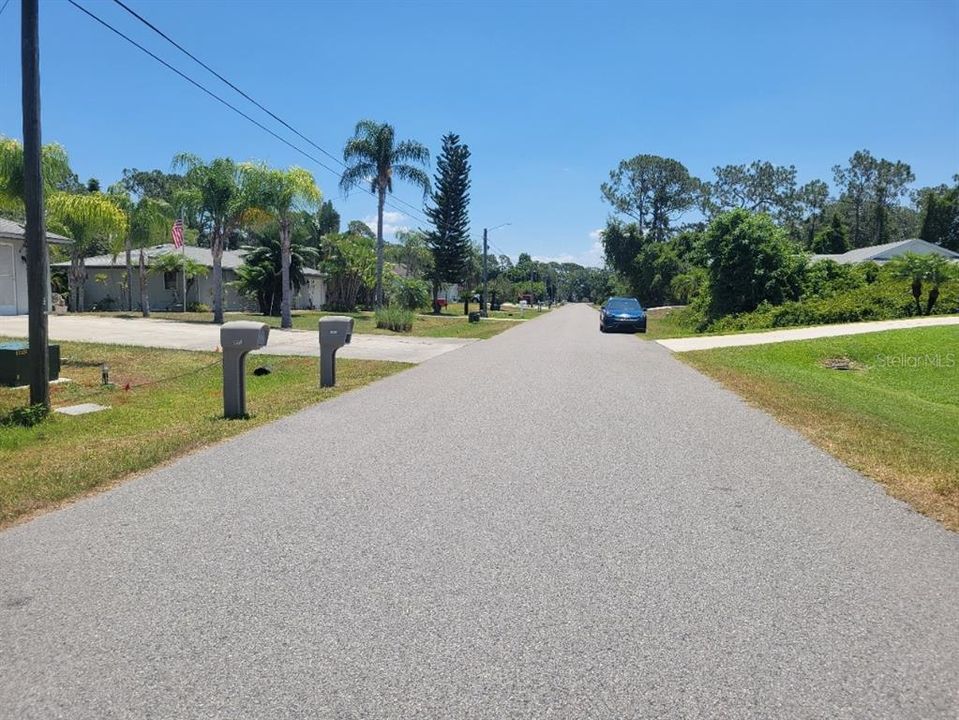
(8, 281)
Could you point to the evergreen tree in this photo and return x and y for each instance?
(328, 219)
(449, 241)
(831, 240)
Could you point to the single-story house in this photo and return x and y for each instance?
(886, 252)
(103, 288)
(13, 267)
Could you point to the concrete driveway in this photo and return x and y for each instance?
(201, 336)
(612, 536)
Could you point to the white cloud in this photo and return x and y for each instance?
(392, 222)
(592, 257)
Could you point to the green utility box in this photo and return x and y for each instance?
(15, 363)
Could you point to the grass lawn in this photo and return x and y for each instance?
(174, 405)
(894, 416)
(665, 323)
(447, 326)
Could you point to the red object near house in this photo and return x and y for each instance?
(441, 302)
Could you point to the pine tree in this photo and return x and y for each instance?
(449, 239)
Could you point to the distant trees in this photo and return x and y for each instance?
(448, 239)
(831, 240)
(350, 265)
(940, 215)
(757, 187)
(870, 187)
(328, 219)
(374, 156)
(652, 190)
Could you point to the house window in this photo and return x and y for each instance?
(169, 280)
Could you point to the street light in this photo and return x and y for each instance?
(485, 274)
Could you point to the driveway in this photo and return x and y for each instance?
(204, 336)
(708, 342)
(552, 523)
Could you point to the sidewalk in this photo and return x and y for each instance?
(196, 336)
(708, 342)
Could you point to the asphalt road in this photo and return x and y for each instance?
(615, 536)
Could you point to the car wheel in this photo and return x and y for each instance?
(602, 328)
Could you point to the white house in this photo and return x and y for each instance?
(13, 267)
(103, 288)
(886, 252)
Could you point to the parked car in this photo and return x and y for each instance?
(622, 313)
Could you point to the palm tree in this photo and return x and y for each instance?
(87, 219)
(150, 224)
(54, 169)
(373, 155)
(280, 194)
(216, 194)
(938, 271)
(912, 267)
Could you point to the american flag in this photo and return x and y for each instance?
(177, 234)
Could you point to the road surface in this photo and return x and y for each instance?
(206, 336)
(613, 536)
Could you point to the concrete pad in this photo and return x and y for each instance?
(708, 342)
(81, 409)
(206, 337)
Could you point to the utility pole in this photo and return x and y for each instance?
(485, 276)
(36, 234)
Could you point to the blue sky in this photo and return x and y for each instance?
(549, 95)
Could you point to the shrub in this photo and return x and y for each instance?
(395, 318)
(885, 299)
(25, 416)
(409, 293)
(198, 307)
(751, 261)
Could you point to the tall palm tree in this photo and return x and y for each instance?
(280, 194)
(88, 219)
(216, 194)
(373, 155)
(150, 223)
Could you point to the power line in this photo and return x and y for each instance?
(217, 97)
(7, 2)
(219, 76)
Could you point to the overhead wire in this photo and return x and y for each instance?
(225, 102)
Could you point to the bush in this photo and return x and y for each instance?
(395, 318)
(885, 299)
(409, 293)
(198, 307)
(751, 261)
(25, 416)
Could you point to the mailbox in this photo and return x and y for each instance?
(237, 339)
(335, 332)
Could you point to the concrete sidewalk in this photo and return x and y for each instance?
(708, 342)
(201, 336)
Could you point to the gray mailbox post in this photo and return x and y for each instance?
(335, 332)
(237, 338)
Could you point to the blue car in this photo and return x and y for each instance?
(622, 313)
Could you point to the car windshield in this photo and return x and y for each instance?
(622, 305)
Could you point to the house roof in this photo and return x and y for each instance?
(12, 230)
(887, 251)
(232, 259)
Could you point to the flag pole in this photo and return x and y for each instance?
(183, 266)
